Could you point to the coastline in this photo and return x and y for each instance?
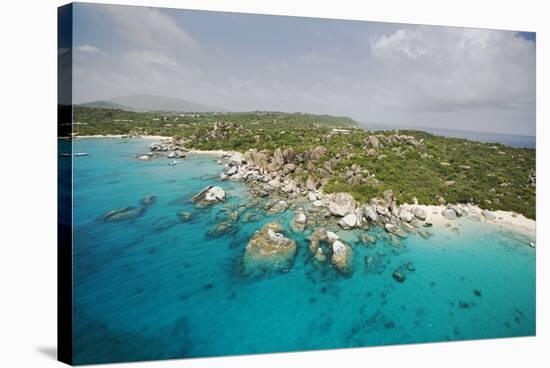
(151, 137)
(505, 220)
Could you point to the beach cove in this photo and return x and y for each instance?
(181, 283)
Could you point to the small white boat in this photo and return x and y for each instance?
(172, 163)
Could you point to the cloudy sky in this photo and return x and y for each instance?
(396, 74)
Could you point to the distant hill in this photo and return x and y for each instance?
(142, 103)
(101, 104)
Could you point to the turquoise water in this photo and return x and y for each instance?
(156, 288)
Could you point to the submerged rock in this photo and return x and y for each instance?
(279, 207)
(425, 234)
(184, 216)
(234, 216)
(163, 224)
(398, 276)
(396, 230)
(367, 239)
(320, 255)
(123, 214)
(269, 247)
(148, 200)
(223, 228)
(475, 218)
(252, 217)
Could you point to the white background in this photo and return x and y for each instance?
(28, 182)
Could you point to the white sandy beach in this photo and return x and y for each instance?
(504, 219)
(213, 152)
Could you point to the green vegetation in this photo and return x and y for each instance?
(493, 176)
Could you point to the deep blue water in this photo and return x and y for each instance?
(154, 288)
(512, 140)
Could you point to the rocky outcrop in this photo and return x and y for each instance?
(453, 211)
(300, 220)
(406, 216)
(370, 214)
(419, 213)
(312, 183)
(316, 153)
(236, 159)
(449, 214)
(209, 195)
(348, 222)
(341, 256)
(341, 204)
(380, 140)
(269, 247)
(339, 252)
(177, 154)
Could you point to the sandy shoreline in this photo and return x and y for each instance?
(213, 152)
(505, 220)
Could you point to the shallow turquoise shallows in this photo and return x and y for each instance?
(155, 287)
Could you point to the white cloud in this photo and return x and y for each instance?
(410, 75)
(148, 28)
(147, 58)
(88, 49)
(448, 69)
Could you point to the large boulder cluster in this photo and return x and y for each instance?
(273, 172)
(209, 195)
(325, 244)
(269, 248)
(169, 148)
(382, 140)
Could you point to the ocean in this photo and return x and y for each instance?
(156, 288)
(511, 140)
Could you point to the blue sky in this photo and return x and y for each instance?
(405, 75)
